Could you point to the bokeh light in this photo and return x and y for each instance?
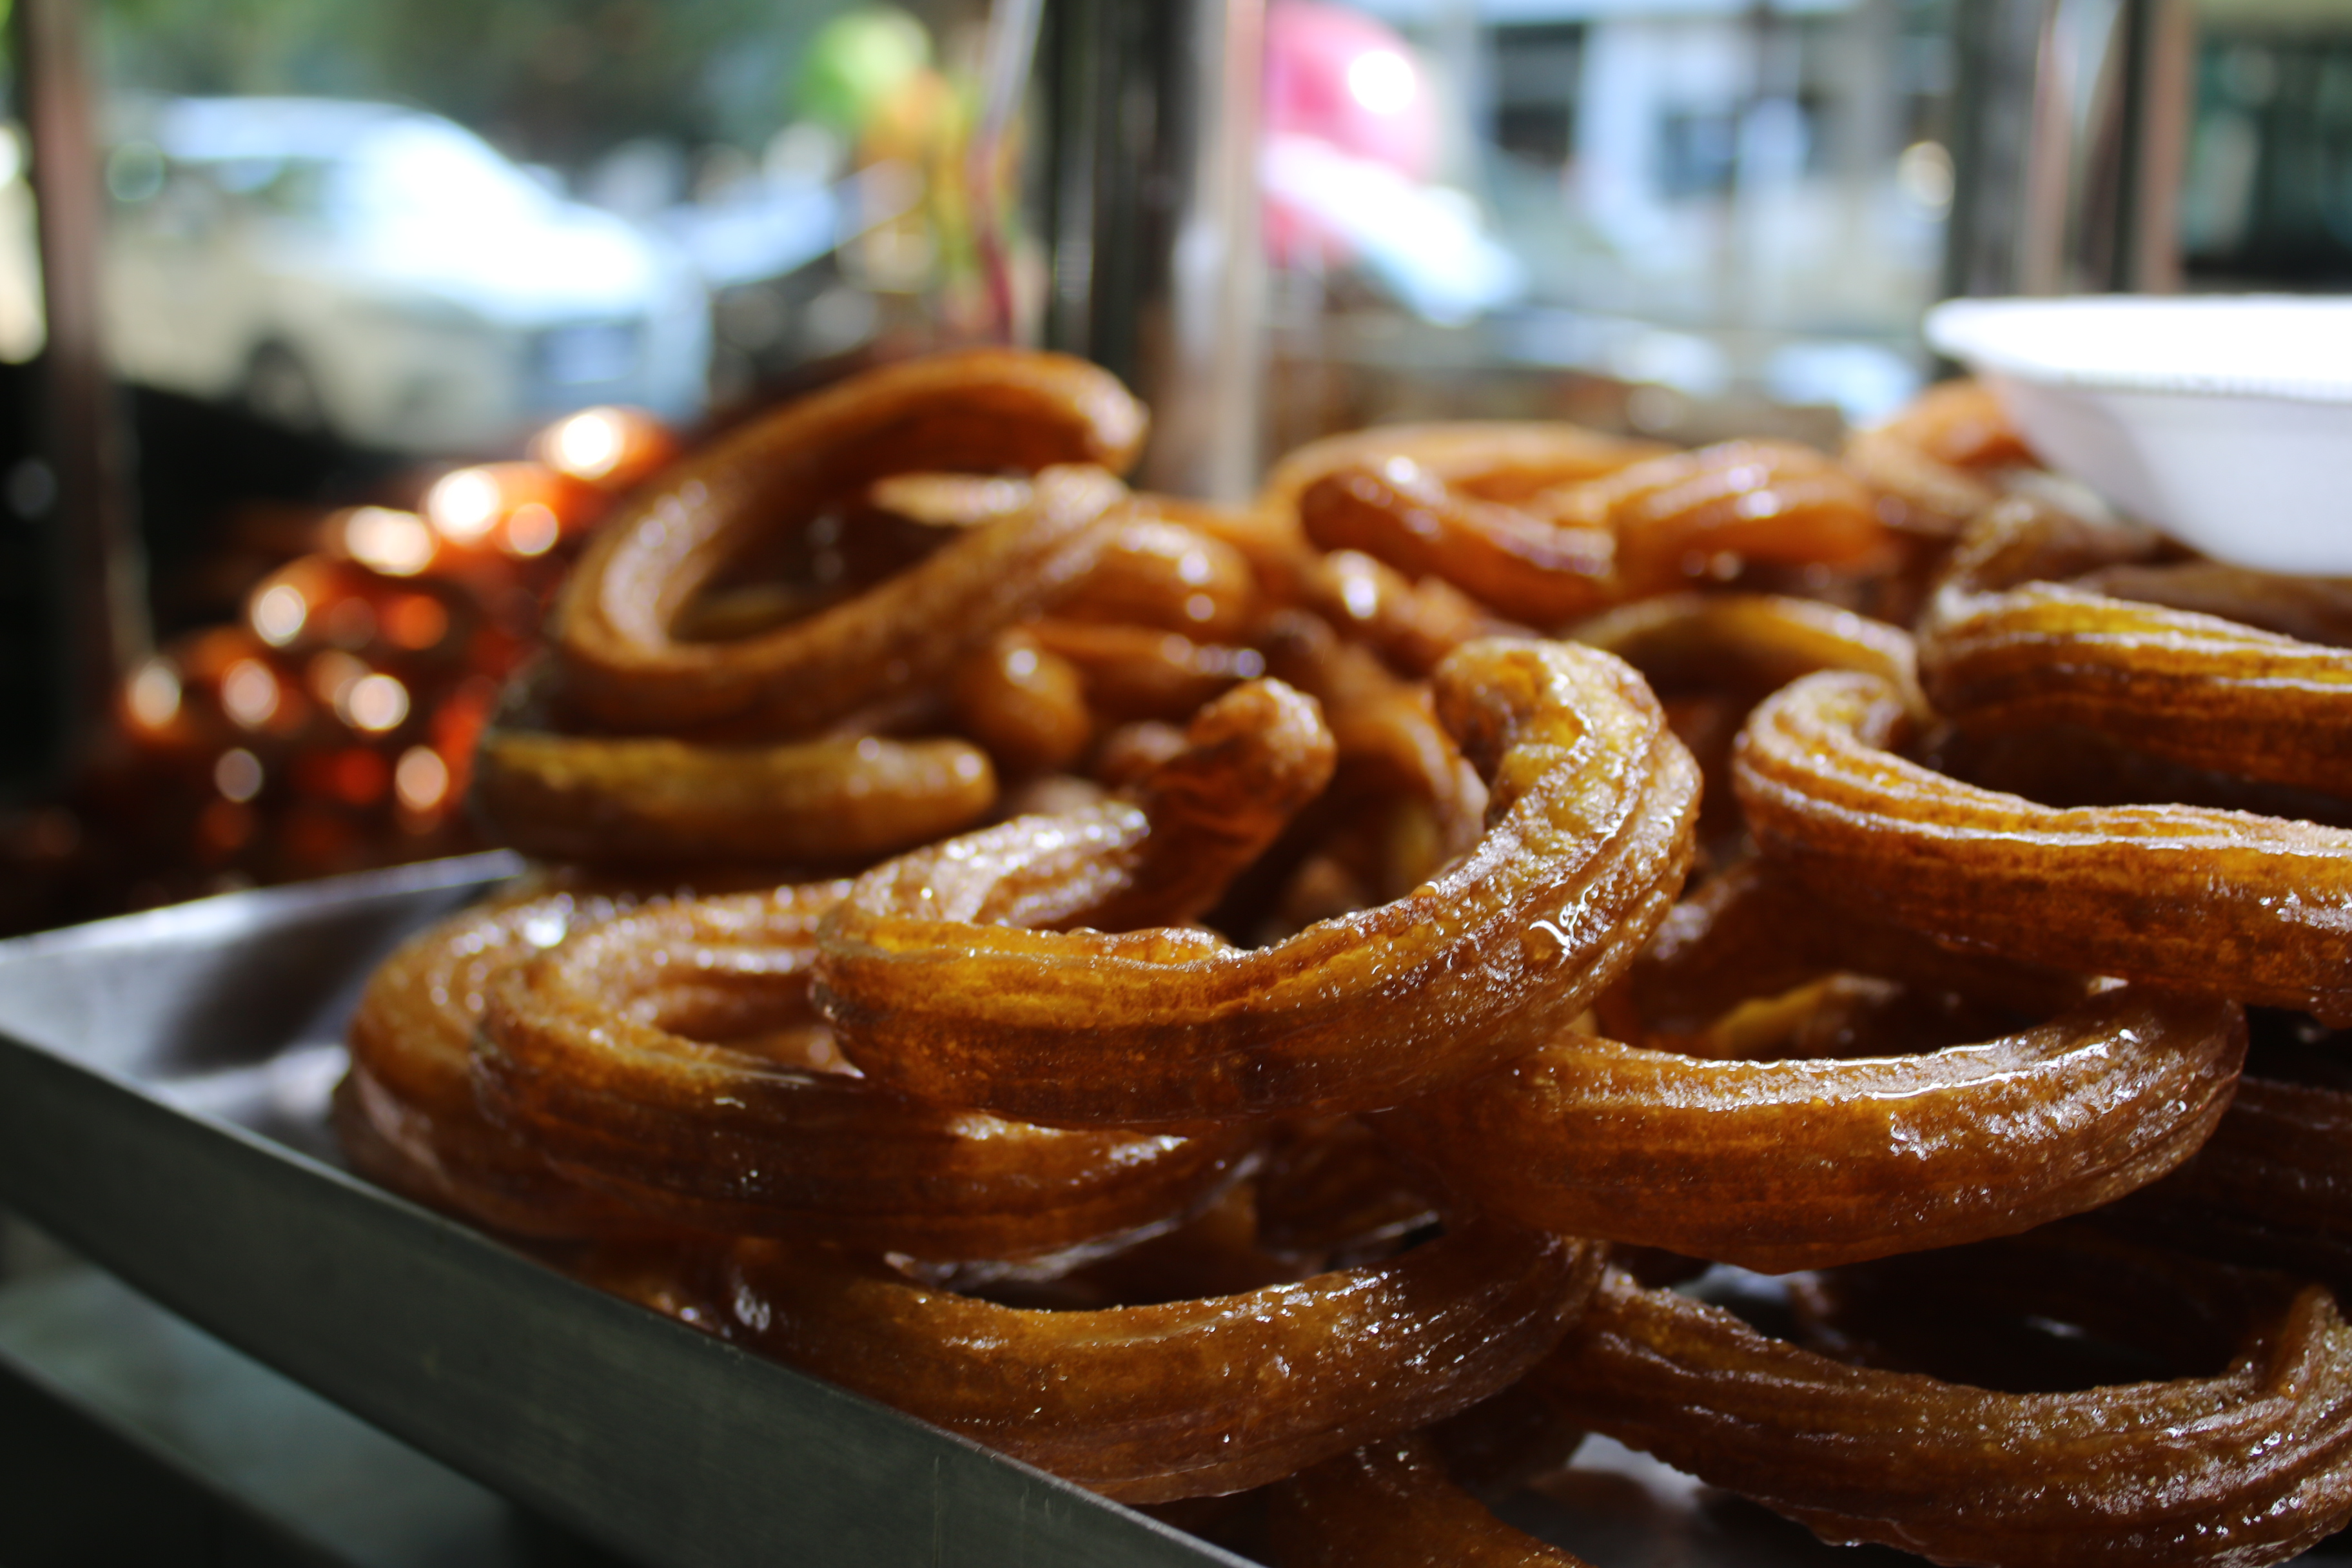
(154, 694)
(421, 778)
(396, 543)
(248, 693)
(374, 703)
(237, 774)
(462, 505)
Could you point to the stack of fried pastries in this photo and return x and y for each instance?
(1295, 1012)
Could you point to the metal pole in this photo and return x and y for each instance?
(2072, 120)
(1159, 270)
(1999, 45)
(1206, 387)
(96, 541)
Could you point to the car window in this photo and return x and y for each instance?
(424, 168)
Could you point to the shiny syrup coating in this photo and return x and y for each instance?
(1747, 643)
(406, 1114)
(586, 1060)
(1999, 653)
(1155, 572)
(625, 669)
(1024, 702)
(1393, 1505)
(2255, 908)
(1498, 460)
(1803, 1163)
(1523, 565)
(1576, 548)
(2242, 1468)
(1410, 625)
(1589, 833)
(1672, 517)
(1188, 1398)
(603, 798)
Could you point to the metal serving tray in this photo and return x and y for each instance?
(164, 1082)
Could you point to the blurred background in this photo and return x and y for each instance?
(364, 311)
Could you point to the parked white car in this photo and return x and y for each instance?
(384, 275)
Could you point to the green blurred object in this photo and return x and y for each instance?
(856, 61)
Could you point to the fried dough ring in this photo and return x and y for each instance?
(1571, 551)
(2309, 609)
(1523, 565)
(1748, 643)
(1750, 932)
(406, 1115)
(2255, 908)
(2175, 683)
(1249, 761)
(1805, 1164)
(584, 1056)
(1142, 672)
(1770, 501)
(1932, 465)
(948, 501)
(582, 1060)
(1386, 728)
(1589, 833)
(615, 798)
(1392, 1503)
(1154, 572)
(1025, 703)
(1412, 624)
(986, 410)
(1712, 657)
(1190, 1398)
(2247, 1467)
(1497, 461)
(2273, 1186)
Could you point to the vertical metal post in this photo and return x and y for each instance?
(2071, 118)
(83, 436)
(1158, 273)
(1206, 384)
(1999, 45)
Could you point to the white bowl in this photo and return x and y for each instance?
(2227, 422)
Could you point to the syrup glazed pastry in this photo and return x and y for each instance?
(1392, 1502)
(591, 1060)
(2249, 1465)
(608, 1057)
(1492, 460)
(623, 668)
(2000, 652)
(1644, 529)
(1588, 836)
(406, 1114)
(1781, 1165)
(1751, 643)
(1941, 462)
(1188, 1398)
(1013, 1132)
(2256, 909)
(650, 799)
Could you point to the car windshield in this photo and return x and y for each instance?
(425, 169)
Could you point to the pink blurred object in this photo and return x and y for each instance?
(1351, 83)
